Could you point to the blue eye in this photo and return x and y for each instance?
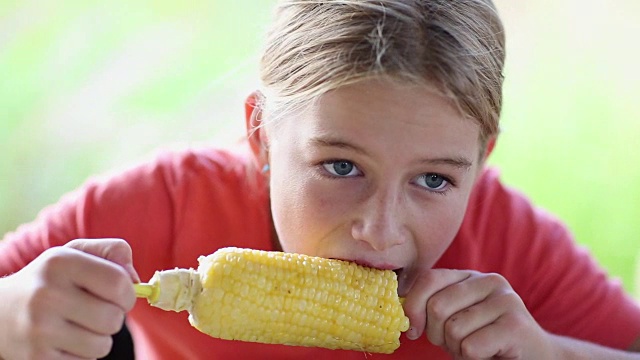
(433, 182)
(341, 168)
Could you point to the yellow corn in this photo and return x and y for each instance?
(284, 298)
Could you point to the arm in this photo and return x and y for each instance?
(135, 205)
(575, 349)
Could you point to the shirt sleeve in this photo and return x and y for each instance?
(572, 295)
(561, 284)
(134, 205)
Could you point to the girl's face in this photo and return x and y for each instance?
(377, 173)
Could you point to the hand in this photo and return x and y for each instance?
(68, 302)
(473, 316)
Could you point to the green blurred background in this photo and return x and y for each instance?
(92, 86)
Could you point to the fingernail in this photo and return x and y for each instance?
(411, 333)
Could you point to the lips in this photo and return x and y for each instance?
(381, 266)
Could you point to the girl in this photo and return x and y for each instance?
(367, 143)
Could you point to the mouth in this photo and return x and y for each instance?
(380, 266)
(398, 272)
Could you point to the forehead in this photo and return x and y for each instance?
(384, 116)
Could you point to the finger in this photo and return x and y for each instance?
(65, 356)
(112, 249)
(512, 334)
(93, 314)
(471, 319)
(426, 285)
(455, 298)
(57, 338)
(101, 278)
(494, 340)
(55, 354)
(76, 341)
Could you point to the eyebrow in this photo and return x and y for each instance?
(331, 142)
(460, 162)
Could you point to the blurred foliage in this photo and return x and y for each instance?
(90, 86)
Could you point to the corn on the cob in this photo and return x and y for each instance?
(284, 298)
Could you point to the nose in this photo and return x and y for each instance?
(382, 222)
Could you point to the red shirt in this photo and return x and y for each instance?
(191, 203)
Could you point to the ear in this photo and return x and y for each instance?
(491, 144)
(256, 134)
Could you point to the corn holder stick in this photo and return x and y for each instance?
(283, 298)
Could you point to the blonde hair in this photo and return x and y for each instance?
(316, 46)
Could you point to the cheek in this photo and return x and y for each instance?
(288, 209)
(308, 213)
(437, 230)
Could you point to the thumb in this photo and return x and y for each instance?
(115, 250)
